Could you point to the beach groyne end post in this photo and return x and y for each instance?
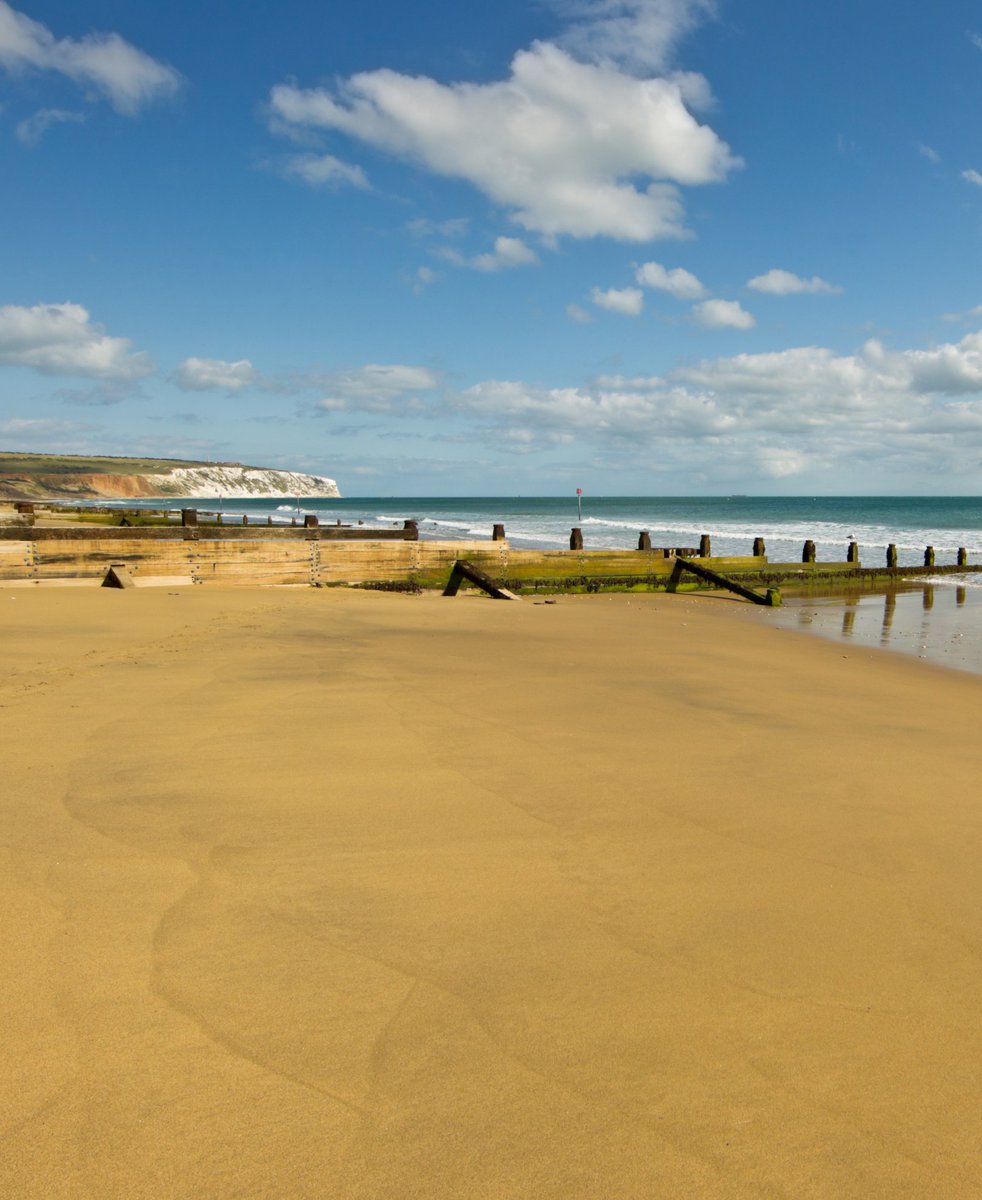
(498, 533)
(189, 516)
(245, 518)
(759, 550)
(576, 539)
(705, 546)
(644, 540)
(773, 597)
(410, 530)
(929, 556)
(808, 552)
(310, 521)
(293, 520)
(269, 520)
(891, 556)
(852, 552)
(962, 556)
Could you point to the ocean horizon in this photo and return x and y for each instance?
(614, 522)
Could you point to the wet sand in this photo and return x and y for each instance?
(938, 621)
(325, 894)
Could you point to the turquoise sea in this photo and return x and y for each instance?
(939, 619)
(614, 522)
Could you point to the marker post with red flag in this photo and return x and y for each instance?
(579, 504)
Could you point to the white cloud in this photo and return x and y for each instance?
(626, 301)
(215, 374)
(678, 282)
(723, 314)
(972, 176)
(323, 170)
(562, 144)
(375, 388)
(59, 339)
(32, 129)
(783, 283)
(127, 76)
(508, 252)
(639, 33)
(928, 152)
(976, 40)
(579, 315)
(780, 414)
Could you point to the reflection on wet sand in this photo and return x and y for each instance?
(946, 626)
(889, 610)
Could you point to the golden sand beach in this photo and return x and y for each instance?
(321, 894)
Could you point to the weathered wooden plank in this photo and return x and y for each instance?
(464, 570)
(772, 598)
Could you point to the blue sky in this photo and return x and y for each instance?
(638, 246)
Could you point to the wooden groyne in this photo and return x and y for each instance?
(189, 551)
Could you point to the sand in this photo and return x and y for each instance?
(361, 896)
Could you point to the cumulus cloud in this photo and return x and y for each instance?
(678, 282)
(507, 252)
(972, 176)
(723, 314)
(777, 414)
(783, 283)
(32, 129)
(568, 147)
(60, 339)
(639, 33)
(383, 388)
(215, 374)
(323, 170)
(128, 77)
(626, 301)
(578, 314)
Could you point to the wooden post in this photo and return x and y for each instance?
(929, 556)
(310, 521)
(962, 556)
(644, 540)
(269, 520)
(576, 539)
(808, 552)
(891, 556)
(245, 519)
(852, 552)
(411, 530)
(464, 570)
(189, 516)
(705, 546)
(772, 598)
(759, 550)
(293, 520)
(498, 533)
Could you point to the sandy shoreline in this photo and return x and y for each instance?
(317, 893)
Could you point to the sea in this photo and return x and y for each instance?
(935, 618)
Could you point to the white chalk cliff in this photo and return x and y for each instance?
(212, 482)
